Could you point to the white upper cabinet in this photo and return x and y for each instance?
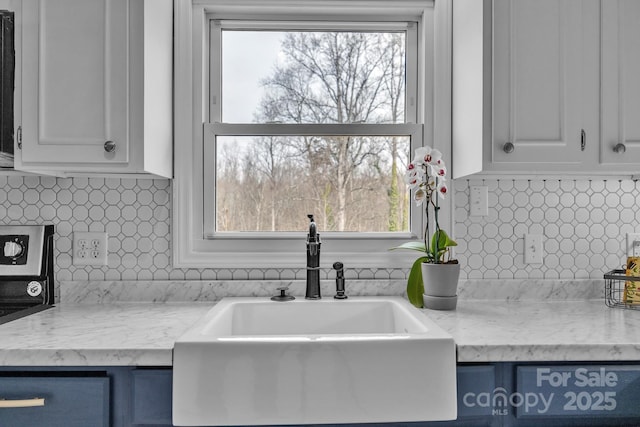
(96, 87)
(75, 77)
(559, 87)
(538, 96)
(8, 36)
(620, 83)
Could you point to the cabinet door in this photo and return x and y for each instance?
(59, 401)
(75, 90)
(620, 82)
(538, 81)
(576, 395)
(152, 397)
(10, 74)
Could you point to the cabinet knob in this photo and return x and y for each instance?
(619, 148)
(508, 147)
(109, 146)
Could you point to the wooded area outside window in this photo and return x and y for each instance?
(304, 112)
(316, 121)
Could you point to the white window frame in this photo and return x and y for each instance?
(193, 246)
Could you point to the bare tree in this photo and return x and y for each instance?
(393, 53)
(336, 77)
(350, 182)
(271, 158)
(228, 171)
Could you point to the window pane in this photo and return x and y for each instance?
(313, 77)
(350, 183)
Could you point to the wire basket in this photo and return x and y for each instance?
(614, 289)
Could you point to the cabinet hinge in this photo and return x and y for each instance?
(583, 140)
(19, 137)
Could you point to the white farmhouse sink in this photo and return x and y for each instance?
(252, 361)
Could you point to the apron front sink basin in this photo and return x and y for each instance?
(253, 361)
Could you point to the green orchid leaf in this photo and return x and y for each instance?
(415, 287)
(450, 241)
(442, 239)
(414, 246)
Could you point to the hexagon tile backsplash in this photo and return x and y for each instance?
(134, 213)
(584, 223)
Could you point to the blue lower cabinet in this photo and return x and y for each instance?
(476, 394)
(151, 396)
(489, 395)
(54, 401)
(577, 395)
(549, 395)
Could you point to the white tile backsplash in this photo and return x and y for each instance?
(584, 223)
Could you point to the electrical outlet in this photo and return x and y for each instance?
(479, 201)
(89, 248)
(633, 244)
(533, 251)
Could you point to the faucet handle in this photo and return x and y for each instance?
(283, 294)
(338, 266)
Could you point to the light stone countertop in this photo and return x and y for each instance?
(119, 334)
(550, 324)
(526, 330)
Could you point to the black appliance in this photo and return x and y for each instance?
(26, 270)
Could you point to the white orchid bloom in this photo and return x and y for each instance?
(435, 158)
(421, 154)
(430, 183)
(442, 189)
(439, 170)
(420, 196)
(414, 168)
(413, 177)
(426, 174)
(412, 181)
(427, 155)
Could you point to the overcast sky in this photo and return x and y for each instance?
(248, 57)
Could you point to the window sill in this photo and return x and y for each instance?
(297, 259)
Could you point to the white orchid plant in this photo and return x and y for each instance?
(426, 176)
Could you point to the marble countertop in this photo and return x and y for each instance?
(119, 334)
(97, 328)
(526, 330)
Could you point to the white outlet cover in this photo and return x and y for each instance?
(84, 252)
(479, 200)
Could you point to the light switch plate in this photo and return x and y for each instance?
(533, 250)
(478, 201)
(89, 248)
(633, 244)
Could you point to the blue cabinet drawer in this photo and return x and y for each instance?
(68, 401)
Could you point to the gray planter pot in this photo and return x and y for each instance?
(440, 285)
